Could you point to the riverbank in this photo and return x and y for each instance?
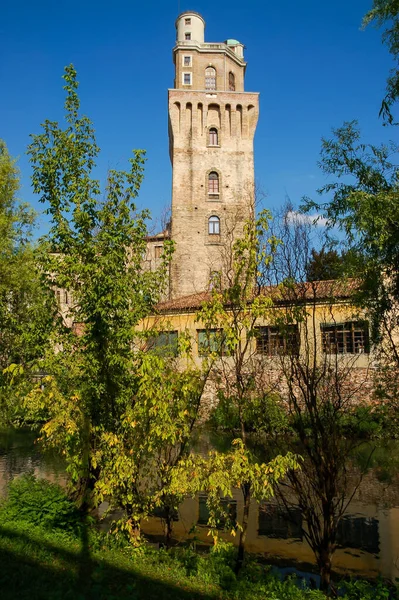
(40, 564)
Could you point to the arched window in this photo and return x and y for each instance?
(214, 225)
(213, 183)
(232, 82)
(213, 136)
(210, 78)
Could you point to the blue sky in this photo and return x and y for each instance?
(312, 64)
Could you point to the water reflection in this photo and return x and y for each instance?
(368, 536)
(20, 454)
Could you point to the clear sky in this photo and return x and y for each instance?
(312, 64)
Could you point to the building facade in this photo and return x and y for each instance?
(212, 122)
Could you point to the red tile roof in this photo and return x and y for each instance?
(299, 292)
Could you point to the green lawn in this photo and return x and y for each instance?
(40, 564)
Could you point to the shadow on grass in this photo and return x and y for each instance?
(33, 569)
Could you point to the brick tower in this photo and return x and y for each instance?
(212, 124)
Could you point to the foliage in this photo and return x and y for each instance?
(138, 458)
(324, 264)
(42, 563)
(26, 310)
(218, 474)
(386, 13)
(39, 502)
(364, 206)
(263, 414)
(323, 392)
(234, 310)
(94, 251)
(363, 590)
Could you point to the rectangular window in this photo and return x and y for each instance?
(275, 341)
(211, 340)
(187, 61)
(165, 343)
(213, 137)
(158, 251)
(187, 36)
(359, 532)
(186, 78)
(228, 505)
(281, 524)
(187, 21)
(351, 337)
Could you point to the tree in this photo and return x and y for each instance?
(365, 208)
(151, 441)
(322, 380)
(93, 252)
(230, 319)
(324, 265)
(386, 12)
(26, 310)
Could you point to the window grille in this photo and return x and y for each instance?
(210, 78)
(274, 522)
(351, 337)
(214, 225)
(275, 341)
(213, 183)
(213, 136)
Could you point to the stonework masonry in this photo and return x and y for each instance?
(212, 123)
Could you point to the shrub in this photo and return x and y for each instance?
(40, 502)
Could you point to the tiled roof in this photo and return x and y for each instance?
(299, 292)
(157, 237)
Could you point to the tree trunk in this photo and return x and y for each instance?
(134, 525)
(246, 490)
(168, 527)
(325, 565)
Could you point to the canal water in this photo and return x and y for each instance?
(368, 535)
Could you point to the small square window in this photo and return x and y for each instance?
(158, 251)
(187, 61)
(164, 343)
(186, 78)
(187, 36)
(187, 21)
(211, 341)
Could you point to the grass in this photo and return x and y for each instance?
(48, 553)
(39, 564)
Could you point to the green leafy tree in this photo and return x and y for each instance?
(26, 310)
(94, 251)
(218, 474)
(231, 318)
(150, 442)
(324, 265)
(363, 203)
(386, 13)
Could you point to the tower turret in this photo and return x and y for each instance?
(212, 123)
(190, 26)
